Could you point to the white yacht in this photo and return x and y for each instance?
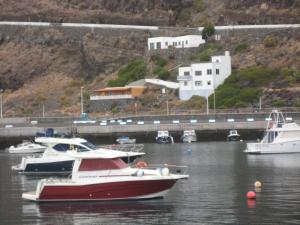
(280, 137)
(55, 158)
(163, 137)
(189, 136)
(26, 147)
(233, 136)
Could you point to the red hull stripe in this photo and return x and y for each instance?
(106, 191)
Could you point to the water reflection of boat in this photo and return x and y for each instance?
(125, 140)
(280, 137)
(276, 161)
(102, 212)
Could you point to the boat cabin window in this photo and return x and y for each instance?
(89, 145)
(101, 164)
(61, 147)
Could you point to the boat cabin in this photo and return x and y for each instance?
(162, 133)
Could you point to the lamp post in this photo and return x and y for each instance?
(81, 99)
(1, 103)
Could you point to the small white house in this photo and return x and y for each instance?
(187, 41)
(202, 78)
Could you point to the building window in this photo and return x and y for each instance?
(175, 43)
(186, 73)
(166, 44)
(186, 42)
(198, 83)
(208, 82)
(158, 45)
(151, 46)
(209, 71)
(178, 43)
(198, 72)
(185, 83)
(217, 71)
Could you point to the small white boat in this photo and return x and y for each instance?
(189, 136)
(280, 137)
(125, 140)
(163, 137)
(103, 176)
(26, 147)
(233, 136)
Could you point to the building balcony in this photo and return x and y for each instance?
(184, 78)
(110, 97)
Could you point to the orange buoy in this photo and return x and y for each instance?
(141, 164)
(251, 195)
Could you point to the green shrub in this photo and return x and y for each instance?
(278, 103)
(131, 72)
(208, 31)
(206, 52)
(162, 73)
(159, 61)
(195, 102)
(244, 87)
(290, 75)
(270, 41)
(240, 47)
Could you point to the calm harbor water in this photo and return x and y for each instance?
(220, 176)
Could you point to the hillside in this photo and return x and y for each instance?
(49, 66)
(158, 12)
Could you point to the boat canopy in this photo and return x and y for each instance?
(101, 164)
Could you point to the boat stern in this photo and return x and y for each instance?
(253, 148)
(30, 196)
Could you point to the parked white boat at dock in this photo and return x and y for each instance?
(233, 136)
(26, 147)
(189, 136)
(280, 137)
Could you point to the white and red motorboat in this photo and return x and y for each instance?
(98, 176)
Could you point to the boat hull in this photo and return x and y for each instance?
(164, 140)
(25, 151)
(125, 190)
(233, 138)
(47, 167)
(273, 148)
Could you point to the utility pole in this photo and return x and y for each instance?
(167, 106)
(207, 105)
(1, 103)
(81, 100)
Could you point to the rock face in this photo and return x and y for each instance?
(260, 12)
(145, 12)
(153, 12)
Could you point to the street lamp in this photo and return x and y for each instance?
(1, 103)
(81, 99)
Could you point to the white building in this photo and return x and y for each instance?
(187, 41)
(202, 78)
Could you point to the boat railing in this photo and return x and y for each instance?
(173, 168)
(125, 147)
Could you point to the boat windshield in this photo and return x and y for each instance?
(89, 145)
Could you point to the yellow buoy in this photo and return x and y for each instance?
(257, 184)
